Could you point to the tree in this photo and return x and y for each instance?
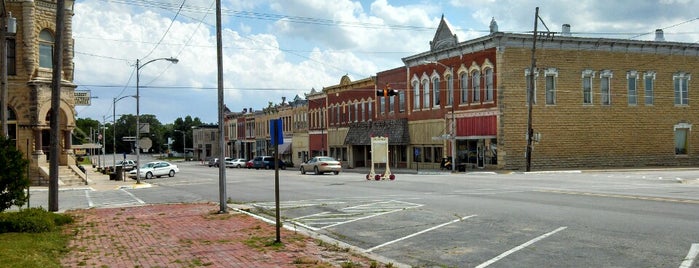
(184, 125)
(13, 180)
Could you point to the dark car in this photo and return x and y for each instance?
(266, 162)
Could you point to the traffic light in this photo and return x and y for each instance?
(380, 93)
(386, 91)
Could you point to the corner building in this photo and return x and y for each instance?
(29, 68)
(598, 102)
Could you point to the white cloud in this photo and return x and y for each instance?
(263, 53)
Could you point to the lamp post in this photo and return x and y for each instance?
(452, 129)
(114, 128)
(138, 112)
(184, 144)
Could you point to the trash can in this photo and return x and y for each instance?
(119, 173)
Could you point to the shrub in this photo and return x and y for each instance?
(32, 220)
(13, 179)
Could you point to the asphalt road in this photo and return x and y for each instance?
(555, 219)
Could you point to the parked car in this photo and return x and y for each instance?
(155, 169)
(236, 163)
(266, 162)
(248, 164)
(212, 162)
(126, 164)
(320, 165)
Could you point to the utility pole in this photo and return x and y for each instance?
(55, 105)
(221, 146)
(530, 94)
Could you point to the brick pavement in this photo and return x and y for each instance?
(193, 235)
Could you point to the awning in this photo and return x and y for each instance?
(285, 148)
(396, 130)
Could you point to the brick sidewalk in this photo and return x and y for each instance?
(193, 235)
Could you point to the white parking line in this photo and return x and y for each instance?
(691, 256)
(134, 197)
(528, 243)
(418, 233)
(89, 200)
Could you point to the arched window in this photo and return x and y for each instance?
(463, 82)
(46, 49)
(476, 83)
(416, 97)
(435, 91)
(425, 94)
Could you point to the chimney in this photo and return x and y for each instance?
(565, 30)
(659, 35)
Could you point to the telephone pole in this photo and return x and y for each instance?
(530, 94)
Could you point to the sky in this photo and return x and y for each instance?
(274, 49)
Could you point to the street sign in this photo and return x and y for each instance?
(275, 132)
(144, 128)
(82, 97)
(131, 138)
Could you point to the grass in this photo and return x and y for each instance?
(26, 250)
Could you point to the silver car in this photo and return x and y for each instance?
(236, 163)
(321, 164)
(155, 169)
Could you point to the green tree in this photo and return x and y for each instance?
(83, 127)
(13, 180)
(182, 125)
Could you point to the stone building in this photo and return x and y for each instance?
(205, 142)
(29, 68)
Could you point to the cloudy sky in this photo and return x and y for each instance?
(283, 48)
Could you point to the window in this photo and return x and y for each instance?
(416, 90)
(680, 81)
(489, 84)
(363, 111)
(587, 76)
(450, 90)
(401, 101)
(464, 87)
(551, 74)
(435, 91)
(632, 79)
(371, 114)
(605, 87)
(681, 134)
(425, 93)
(476, 83)
(46, 49)
(11, 57)
(528, 79)
(382, 105)
(356, 111)
(437, 155)
(649, 83)
(391, 104)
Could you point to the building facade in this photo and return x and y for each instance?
(596, 103)
(29, 68)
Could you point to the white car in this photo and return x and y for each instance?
(236, 163)
(155, 169)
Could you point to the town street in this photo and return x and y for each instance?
(634, 218)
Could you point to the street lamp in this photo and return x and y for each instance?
(184, 144)
(114, 128)
(453, 122)
(138, 112)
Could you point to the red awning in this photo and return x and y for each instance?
(477, 126)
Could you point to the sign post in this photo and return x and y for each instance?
(379, 154)
(276, 137)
